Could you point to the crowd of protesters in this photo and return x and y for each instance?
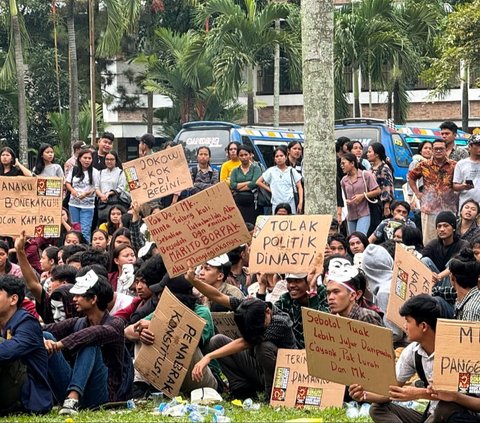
(75, 310)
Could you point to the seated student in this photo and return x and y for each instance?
(386, 228)
(239, 274)
(23, 359)
(103, 369)
(67, 251)
(421, 313)
(215, 272)
(55, 304)
(139, 331)
(296, 297)
(343, 282)
(337, 244)
(264, 328)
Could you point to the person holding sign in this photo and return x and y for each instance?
(263, 327)
(421, 313)
(45, 165)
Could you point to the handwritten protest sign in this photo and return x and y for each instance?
(293, 387)
(288, 244)
(457, 356)
(225, 324)
(198, 228)
(33, 204)
(349, 351)
(178, 331)
(410, 277)
(158, 175)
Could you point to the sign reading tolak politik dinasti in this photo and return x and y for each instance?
(32, 204)
(158, 175)
(288, 244)
(196, 229)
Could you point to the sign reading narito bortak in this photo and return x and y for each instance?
(410, 277)
(32, 204)
(349, 351)
(158, 175)
(457, 356)
(293, 387)
(198, 228)
(288, 244)
(178, 331)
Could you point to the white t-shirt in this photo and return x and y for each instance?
(467, 169)
(281, 183)
(122, 301)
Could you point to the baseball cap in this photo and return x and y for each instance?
(84, 283)
(296, 275)
(219, 261)
(147, 139)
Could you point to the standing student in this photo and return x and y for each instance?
(231, 163)
(9, 164)
(203, 175)
(82, 182)
(105, 145)
(44, 165)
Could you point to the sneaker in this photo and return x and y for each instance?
(70, 407)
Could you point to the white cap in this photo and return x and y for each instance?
(84, 283)
(219, 261)
(296, 275)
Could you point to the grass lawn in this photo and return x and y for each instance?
(144, 413)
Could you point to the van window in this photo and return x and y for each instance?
(216, 139)
(267, 153)
(366, 136)
(402, 152)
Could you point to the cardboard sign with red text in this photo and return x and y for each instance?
(178, 331)
(198, 228)
(349, 351)
(288, 244)
(457, 356)
(293, 387)
(33, 204)
(158, 175)
(410, 277)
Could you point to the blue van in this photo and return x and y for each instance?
(368, 131)
(217, 135)
(414, 136)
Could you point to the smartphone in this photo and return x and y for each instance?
(469, 182)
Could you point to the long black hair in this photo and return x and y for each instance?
(78, 169)
(379, 149)
(40, 163)
(12, 163)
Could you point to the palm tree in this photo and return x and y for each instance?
(240, 34)
(14, 68)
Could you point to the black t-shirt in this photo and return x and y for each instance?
(14, 171)
(98, 161)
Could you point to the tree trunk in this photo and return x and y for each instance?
(319, 106)
(150, 112)
(73, 87)
(356, 93)
(276, 81)
(93, 87)
(389, 104)
(20, 74)
(250, 97)
(465, 82)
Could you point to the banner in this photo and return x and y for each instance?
(288, 244)
(33, 204)
(225, 324)
(197, 229)
(178, 331)
(410, 277)
(457, 356)
(293, 387)
(158, 175)
(349, 351)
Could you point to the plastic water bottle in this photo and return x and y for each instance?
(249, 405)
(364, 410)
(195, 417)
(221, 419)
(352, 410)
(131, 405)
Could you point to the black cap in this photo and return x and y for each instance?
(147, 139)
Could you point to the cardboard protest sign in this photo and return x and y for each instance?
(349, 351)
(457, 356)
(198, 228)
(178, 331)
(288, 244)
(410, 277)
(293, 387)
(33, 204)
(158, 175)
(225, 324)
